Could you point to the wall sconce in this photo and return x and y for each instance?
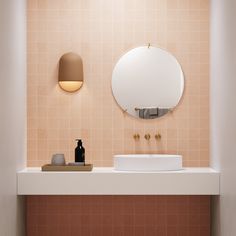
(70, 76)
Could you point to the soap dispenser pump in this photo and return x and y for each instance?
(79, 153)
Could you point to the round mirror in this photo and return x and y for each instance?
(147, 82)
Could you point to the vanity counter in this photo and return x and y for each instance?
(107, 181)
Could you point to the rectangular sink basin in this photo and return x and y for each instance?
(147, 162)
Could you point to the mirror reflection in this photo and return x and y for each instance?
(147, 82)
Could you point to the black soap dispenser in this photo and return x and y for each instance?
(79, 153)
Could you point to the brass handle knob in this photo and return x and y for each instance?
(147, 136)
(158, 136)
(136, 136)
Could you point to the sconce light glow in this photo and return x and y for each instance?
(70, 76)
(70, 86)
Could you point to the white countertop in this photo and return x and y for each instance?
(107, 181)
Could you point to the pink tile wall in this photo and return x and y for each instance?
(118, 215)
(101, 31)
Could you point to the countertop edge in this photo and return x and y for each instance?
(107, 181)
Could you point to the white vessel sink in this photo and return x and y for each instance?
(147, 162)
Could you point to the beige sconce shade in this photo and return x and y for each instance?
(70, 76)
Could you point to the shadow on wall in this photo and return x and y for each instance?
(20, 215)
(215, 216)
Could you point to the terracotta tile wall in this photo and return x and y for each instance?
(101, 31)
(118, 215)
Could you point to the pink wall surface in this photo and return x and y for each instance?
(101, 31)
(118, 215)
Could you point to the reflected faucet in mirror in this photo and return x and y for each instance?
(151, 112)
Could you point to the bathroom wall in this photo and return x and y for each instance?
(101, 31)
(223, 113)
(13, 113)
(118, 215)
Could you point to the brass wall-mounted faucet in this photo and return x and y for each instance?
(136, 136)
(147, 136)
(158, 136)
